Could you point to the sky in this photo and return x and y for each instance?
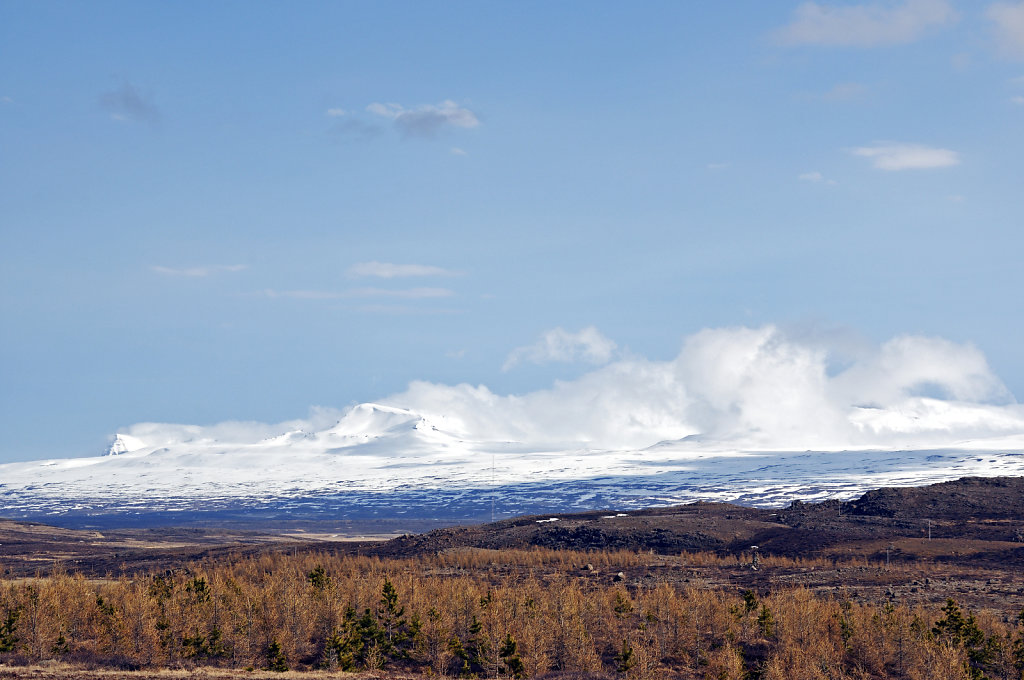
(248, 211)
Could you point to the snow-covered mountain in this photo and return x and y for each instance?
(381, 460)
(742, 414)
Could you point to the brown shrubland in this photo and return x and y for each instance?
(482, 613)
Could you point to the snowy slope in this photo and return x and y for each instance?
(384, 459)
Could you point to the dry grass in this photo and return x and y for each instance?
(63, 671)
(681, 616)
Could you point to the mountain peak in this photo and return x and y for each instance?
(124, 443)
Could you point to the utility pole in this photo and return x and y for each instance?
(929, 530)
(492, 487)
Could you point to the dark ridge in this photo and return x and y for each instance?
(972, 508)
(963, 499)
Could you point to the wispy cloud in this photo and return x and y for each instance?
(390, 270)
(717, 166)
(895, 156)
(560, 345)
(128, 104)
(814, 177)
(336, 113)
(426, 120)
(865, 25)
(6, 100)
(350, 293)
(198, 272)
(406, 310)
(1008, 20)
(347, 126)
(1018, 100)
(456, 151)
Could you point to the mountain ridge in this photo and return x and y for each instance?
(379, 460)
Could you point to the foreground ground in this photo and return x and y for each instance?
(851, 590)
(962, 540)
(62, 671)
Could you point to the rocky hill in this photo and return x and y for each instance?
(971, 509)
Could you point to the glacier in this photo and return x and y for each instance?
(379, 460)
(748, 415)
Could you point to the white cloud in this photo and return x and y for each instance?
(168, 434)
(1008, 20)
(399, 293)
(558, 344)
(895, 156)
(336, 113)
(456, 151)
(728, 389)
(750, 388)
(197, 272)
(1018, 100)
(866, 25)
(6, 100)
(390, 270)
(426, 120)
(815, 177)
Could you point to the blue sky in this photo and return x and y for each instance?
(239, 210)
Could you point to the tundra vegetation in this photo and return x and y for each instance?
(489, 614)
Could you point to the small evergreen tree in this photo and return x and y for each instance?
(276, 660)
(199, 590)
(623, 607)
(342, 650)
(359, 641)
(393, 625)
(964, 632)
(846, 623)
(8, 638)
(318, 578)
(766, 621)
(457, 650)
(512, 663)
(477, 647)
(471, 656)
(60, 647)
(625, 660)
(749, 601)
(199, 646)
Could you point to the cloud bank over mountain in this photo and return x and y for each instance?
(760, 416)
(728, 388)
